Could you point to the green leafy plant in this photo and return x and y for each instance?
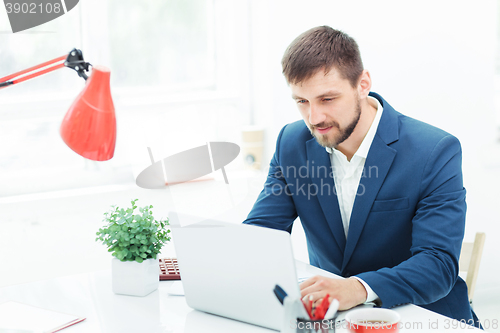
(131, 236)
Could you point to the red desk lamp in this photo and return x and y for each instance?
(89, 126)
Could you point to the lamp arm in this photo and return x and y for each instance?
(73, 60)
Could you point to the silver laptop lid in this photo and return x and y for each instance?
(231, 269)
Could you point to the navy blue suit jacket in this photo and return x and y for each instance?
(408, 218)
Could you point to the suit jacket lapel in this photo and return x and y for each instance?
(329, 203)
(377, 165)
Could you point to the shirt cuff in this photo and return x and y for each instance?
(371, 296)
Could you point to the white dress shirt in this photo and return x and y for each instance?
(347, 175)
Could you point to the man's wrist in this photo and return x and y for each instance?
(371, 296)
(360, 291)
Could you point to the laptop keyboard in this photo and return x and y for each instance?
(300, 280)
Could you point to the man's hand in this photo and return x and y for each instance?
(349, 292)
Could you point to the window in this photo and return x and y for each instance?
(176, 35)
(34, 46)
(167, 59)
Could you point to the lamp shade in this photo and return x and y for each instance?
(89, 126)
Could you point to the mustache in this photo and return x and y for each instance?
(326, 125)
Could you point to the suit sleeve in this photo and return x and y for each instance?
(437, 233)
(274, 207)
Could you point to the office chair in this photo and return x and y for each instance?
(470, 257)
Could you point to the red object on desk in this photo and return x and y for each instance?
(322, 308)
(169, 269)
(308, 307)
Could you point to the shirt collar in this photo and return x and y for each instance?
(367, 141)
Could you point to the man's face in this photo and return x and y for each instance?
(329, 105)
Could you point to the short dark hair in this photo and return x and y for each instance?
(322, 47)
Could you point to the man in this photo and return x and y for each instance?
(380, 195)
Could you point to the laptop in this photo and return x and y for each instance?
(231, 269)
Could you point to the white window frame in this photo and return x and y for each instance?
(230, 32)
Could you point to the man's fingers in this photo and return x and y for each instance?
(308, 282)
(314, 284)
(349, 292)
(314, 297)
(310, 288)
(316, 290)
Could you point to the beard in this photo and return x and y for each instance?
(343, 133)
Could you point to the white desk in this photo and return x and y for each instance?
(90, 295)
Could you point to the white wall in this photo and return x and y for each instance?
(433, 60)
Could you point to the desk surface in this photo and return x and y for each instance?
(90, 295)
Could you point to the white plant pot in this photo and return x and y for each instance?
(133, 278)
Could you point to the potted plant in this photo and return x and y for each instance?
(135, 239)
